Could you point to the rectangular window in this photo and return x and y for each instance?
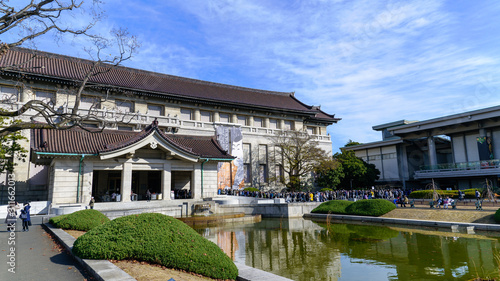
(224, 118)
(247, 150)
(46, 97)
(155, 110)
(263, 178)
(125, 128)
(247, 169)
(124, 106)
(289, 125)
(242, 120)
(311, 130)
(273, 124)
(257, 122)
(280, 173)
(206, 116)
(262, 154)
(9, 94)
(186, 114)
(87, 102)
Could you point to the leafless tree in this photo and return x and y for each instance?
(298, 153)
(38, 18)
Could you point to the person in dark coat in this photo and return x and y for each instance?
(27, 208)
(24, 217)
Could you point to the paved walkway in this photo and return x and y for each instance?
(36, 257)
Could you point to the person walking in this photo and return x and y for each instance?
(91, 203)
(148, 195)
(27, 209)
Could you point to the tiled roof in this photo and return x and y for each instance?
(73, 69)
(79, 141)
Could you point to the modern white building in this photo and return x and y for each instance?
(177, 137)
(457, 151)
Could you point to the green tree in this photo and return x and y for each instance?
(10, 148)
(329, 173)
(352, 143)
(357, 173)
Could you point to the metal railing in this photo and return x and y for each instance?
(475, 165)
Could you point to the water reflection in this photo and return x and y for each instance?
(304, 250)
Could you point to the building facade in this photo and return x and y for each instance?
(122, 108)
(456, 151)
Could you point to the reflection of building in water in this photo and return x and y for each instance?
(227, 241)
(292, 252)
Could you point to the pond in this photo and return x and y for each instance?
(301, 249)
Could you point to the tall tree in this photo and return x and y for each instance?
(329, 173)
(299, 154)
(357, 173)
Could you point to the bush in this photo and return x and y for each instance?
(325, 189)
(156, 238)
(83, 220)
(251, 189)
(55, 220)
(332, 207)
(496, 217)
(427, 194)
(370, 207)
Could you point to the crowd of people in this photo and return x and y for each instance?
(319, 196)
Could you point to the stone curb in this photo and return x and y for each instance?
(104, 270)
(411, 222)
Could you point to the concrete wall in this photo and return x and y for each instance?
(271, 210)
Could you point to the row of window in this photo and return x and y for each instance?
(380, 157)
(87, 102)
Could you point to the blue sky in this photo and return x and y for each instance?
(367, 62)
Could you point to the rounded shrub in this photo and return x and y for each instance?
(83, 220)
(370, 207)
(332, 207)
(159, 239)
(496, 217)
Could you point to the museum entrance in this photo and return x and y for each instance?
(106, 186)
(144, 180)
(182, 184)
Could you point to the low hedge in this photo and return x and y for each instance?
(332, 207)
(370, 207)
(251, 189)
(426, 194)
(83, 220)
(159, 239)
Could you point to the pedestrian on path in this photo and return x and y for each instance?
(24, 217)
(27, 208)
(91, 203)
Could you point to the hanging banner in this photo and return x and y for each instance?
(230, 175)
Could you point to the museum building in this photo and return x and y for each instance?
(177, 137)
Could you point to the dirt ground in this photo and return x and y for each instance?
(463, 213)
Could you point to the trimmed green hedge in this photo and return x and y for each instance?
(496, 217)
(156, 238)
(426, 194)
(83, 220)
(370, 207)
(251, 189)
(332, 207)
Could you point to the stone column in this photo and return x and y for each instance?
(216, 116)
(197, 114)
(432, 151)
(166, 181)
(196, 181)
(126, 182)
